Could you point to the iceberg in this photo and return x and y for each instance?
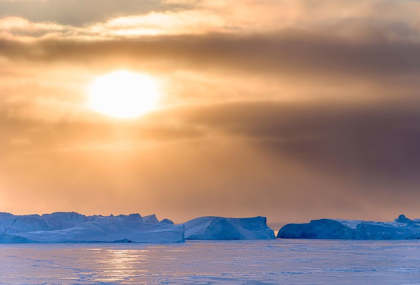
(401, 228)
(218, 228)
(152, 219)
(76, 228)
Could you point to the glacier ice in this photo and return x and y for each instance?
(74, 227)
(151, 219)
(401, 228)
(218, 228)
(167, 221)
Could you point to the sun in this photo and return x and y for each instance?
(124, 94)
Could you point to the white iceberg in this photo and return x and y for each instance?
(74, 227)
(401, 228)
(218, 228)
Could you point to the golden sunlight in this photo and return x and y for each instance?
(124, 94)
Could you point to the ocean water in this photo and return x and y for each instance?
(224, 262)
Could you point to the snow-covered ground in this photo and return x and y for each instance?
(208, 262)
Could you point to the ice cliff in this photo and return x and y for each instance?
(400, 228)
(74, 227)
(218, 228)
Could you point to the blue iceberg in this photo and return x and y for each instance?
(400, 229)
(77, 228)
(218, 228)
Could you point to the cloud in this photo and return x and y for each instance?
(292, 65)
(289, 52)
(371, 141)
(341, 41)
(128, 18)
(81, 12)
(375, 141)
(329, 159)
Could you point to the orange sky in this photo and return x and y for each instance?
(291, 109)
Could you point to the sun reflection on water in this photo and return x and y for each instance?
(122, 265)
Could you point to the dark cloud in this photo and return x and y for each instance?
(80, 12)
(374, 141)
(306, 159)
(371, 141)
(289, 53)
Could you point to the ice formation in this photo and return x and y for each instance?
(74, 227)
(401, 228)
(218, 228)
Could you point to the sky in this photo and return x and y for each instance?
(290, 109)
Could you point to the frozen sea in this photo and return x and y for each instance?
(221, 262)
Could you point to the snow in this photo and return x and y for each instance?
(401, 228)
(219, 228)
(74, 227)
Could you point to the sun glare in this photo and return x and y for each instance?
(124, 94)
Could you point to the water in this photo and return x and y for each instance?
(244, 262)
